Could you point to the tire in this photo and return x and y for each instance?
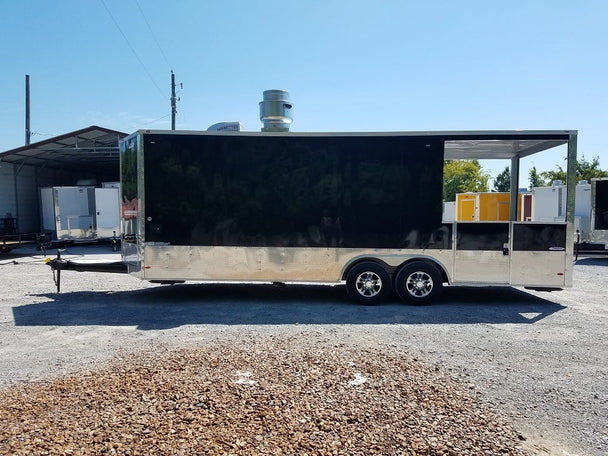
(368, 283)
(418, 283)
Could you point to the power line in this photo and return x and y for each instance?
(154, 121)
(174, 98)
(39, 133)
(132, 49)
(153, 34)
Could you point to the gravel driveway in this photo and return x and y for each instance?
(540, 360)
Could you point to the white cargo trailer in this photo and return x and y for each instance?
(80, 213)
(68, 213)
(549, 203)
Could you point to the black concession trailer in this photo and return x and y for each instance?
(360, 208)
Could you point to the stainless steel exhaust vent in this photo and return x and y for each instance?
(275, 110)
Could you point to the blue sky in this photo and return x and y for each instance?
(348, 66)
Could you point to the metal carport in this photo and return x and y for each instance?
(90, 153)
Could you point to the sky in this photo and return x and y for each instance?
(351, 65)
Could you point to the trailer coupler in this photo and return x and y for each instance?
(59, 264)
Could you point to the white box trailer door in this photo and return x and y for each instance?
(47, 205)
(107, 211)
(67, 212)
(74, 212)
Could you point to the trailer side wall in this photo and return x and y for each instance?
(292, 191)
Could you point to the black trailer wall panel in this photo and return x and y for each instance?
(601, 205)
(293, 191)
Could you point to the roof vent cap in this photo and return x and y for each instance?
(275, 111)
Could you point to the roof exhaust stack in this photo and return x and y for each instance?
(275, 111)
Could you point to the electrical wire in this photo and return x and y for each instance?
(154, 121)
(155, 40)
(39, 133)
(132, 49)
(9, 262)
(153, 34)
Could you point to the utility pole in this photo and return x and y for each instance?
(173, 101)
(27, 110)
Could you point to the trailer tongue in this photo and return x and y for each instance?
(59, 264)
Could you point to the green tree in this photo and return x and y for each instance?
(557, 174)
(502, 182)
(585, 170)
(460, 176)
(534, 179)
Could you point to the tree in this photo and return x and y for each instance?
(558, 174)
(585, 170)
(460, 176)
(502, 183)
(534, 179)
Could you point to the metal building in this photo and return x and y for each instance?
(90, 154)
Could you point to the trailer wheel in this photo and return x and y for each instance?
(418, 283)
(368, 283)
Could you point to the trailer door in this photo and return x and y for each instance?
(107, 211)
(538, 254)
(480, 255)
(74, 212)
(466, 207)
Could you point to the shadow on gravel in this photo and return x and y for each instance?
(593, 261)
(191, 304)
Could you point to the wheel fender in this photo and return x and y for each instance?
(357, 260)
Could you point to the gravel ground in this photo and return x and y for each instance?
(286, 400)
(538, 360)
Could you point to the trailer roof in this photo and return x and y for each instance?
(481, 145)
(97, 147)
(483, 149)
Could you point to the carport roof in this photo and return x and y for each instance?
(90, 148)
